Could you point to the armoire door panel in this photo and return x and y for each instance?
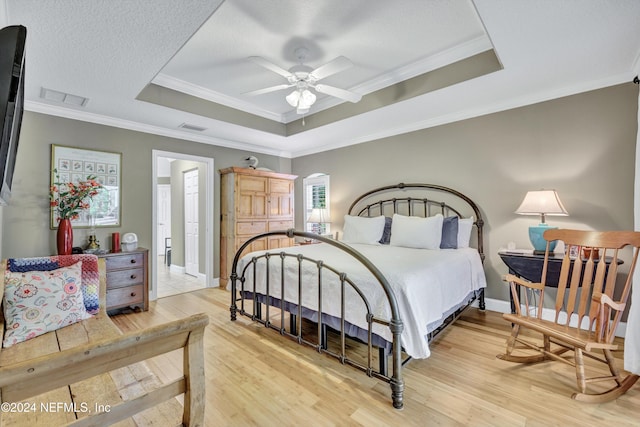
(256, 184)
(252, 205)
(281, 205)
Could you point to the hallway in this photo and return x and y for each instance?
(172, 283)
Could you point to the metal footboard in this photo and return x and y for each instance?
(295, 310)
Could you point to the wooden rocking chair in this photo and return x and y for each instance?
(585, 294)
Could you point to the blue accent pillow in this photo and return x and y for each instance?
(386, 233)
(449, 233)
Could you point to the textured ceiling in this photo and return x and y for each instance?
(111, 50)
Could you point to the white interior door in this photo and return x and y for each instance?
(163, 216)
(191, 222)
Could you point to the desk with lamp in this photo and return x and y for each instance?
(528, 264)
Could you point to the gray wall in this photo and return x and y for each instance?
(25, 225)
(583, 146)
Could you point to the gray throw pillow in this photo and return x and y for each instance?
(386, 233)
(449, 233)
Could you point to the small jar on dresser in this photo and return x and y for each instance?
(127, 280)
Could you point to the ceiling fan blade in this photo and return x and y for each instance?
(270, 66)
(338, 93)
(332, 67)
(267, 90)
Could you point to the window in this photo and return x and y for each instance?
(316, 196)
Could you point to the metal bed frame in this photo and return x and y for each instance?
(405, 205)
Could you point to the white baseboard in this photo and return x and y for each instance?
(177, 269)
(216, 283)
(501, 306)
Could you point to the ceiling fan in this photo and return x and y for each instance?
(304, 78)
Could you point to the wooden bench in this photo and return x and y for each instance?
(590, 301)
(84, 373)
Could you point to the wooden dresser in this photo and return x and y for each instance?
(127, 279)
(253, 201)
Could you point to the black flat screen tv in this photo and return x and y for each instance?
(12, 44)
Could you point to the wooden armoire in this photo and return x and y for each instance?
(253, 202)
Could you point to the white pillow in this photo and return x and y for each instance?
(359, 229)
(464, 231)
(416, 232)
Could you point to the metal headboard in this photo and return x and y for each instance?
(377, 205)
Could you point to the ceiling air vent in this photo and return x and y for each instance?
(65, 98)
(192, 127)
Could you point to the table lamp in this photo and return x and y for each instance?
(541, 202)
(319, 216)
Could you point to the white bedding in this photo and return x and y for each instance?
(427, 284)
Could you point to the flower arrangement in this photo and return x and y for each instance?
(69, 198)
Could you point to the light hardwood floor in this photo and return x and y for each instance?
(172, 283)
(257, 377)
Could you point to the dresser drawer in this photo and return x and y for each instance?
(124, 261)
(130, 295)
(251, 228)
(120, 278)
(280, 225)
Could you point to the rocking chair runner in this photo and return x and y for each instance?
(586, 294)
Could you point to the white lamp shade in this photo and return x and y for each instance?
(306, 99)
(542, 202)
(293, 98)
(319, 216)
(301, 99)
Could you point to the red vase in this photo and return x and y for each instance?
(65, 237)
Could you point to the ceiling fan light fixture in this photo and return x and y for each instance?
(307, 98)
(303, 77)
(293, 98)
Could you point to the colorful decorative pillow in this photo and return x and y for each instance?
(37, 302)
(358, 229)
(449, 233)
(416, 232)
(90, 275)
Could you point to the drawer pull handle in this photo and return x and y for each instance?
(133, 294)
(133, 261)
(133, 276)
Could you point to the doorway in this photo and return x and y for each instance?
(173, 244)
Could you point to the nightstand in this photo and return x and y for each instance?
(127, 282)
(528, 266)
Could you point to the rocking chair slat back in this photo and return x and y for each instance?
(587, 308)
(585, 277)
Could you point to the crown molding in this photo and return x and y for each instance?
(429, 63)
(421, 66)
(53, 110)
(179, 85)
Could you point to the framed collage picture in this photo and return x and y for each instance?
(72, 165)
